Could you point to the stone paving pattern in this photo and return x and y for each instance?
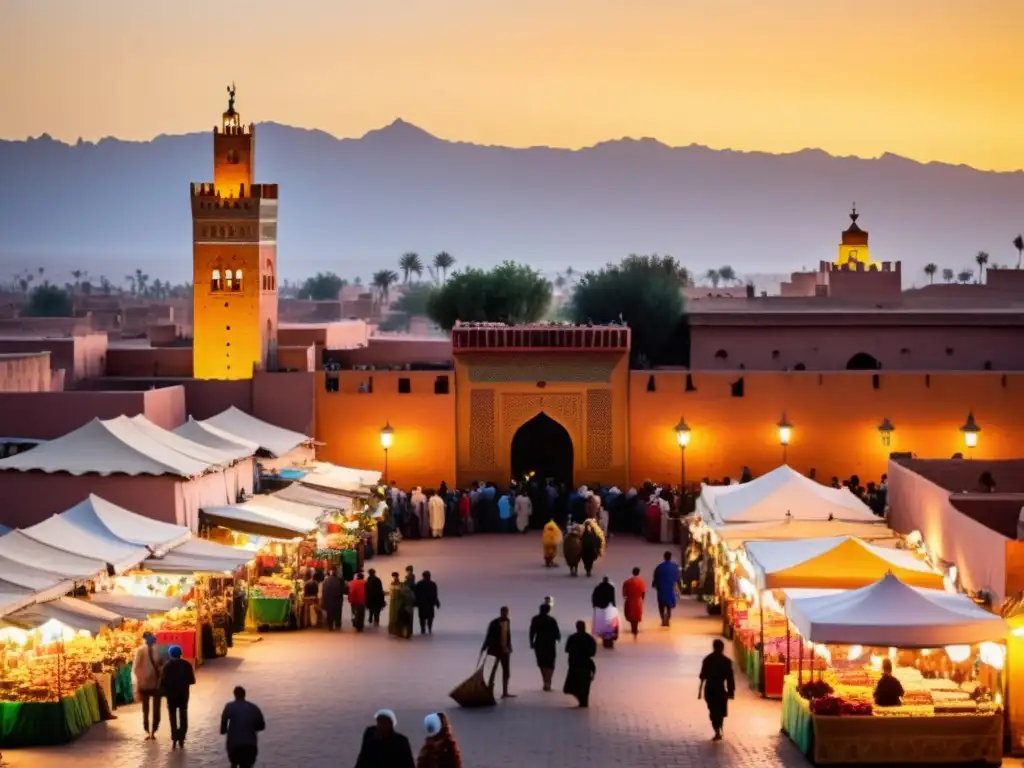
(320, 690)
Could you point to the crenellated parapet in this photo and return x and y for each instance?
(857, 266)
(207, 190)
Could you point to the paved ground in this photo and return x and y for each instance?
(318, 690)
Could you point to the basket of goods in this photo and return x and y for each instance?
(816, 689)
(826, 705)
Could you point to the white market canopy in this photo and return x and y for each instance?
(780, 494)
(274, 440)
(111, 447)
(341, 478)
(841, 562)
(206, 434)
(253, 515)
(133, 607)
(325, 501)
(200, 556)
(86, 535)
(890, 613)
(69, 611)
(20, 548)
(184, 446)
(792, 529)
(99, 514)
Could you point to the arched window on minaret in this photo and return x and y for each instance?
(229, 283)
(238, 279)
(215, 280)
(271, 285)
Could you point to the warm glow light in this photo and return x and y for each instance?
(885, 429)
(892, 654)
(993, 654)
(855, 652)
(682, 433)
(971, 439)
(824, 653)
(785, 430)
(970, 430)
(958, 653)
(876, 662)
(387, 436)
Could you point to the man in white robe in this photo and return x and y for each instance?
(524, 508)
(435, 511)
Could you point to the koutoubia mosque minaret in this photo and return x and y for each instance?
(853, 247)
(234, 259)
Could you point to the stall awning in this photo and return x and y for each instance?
(184, 446)
(890, 613)
(310, 514)
(70, 611)
(97, 513)
(791, 530)
(836, 563)
(199, 556)
(212, 437)
(19, 548)
(780, 494)
(324, 500)
(334, 476)
(258, 520)
(87, 537)
(274, 440)
(132, 607)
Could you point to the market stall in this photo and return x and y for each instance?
(947, 653)
(279, 448)
(762, 641)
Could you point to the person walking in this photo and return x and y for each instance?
(177, 678)
(634, 590)
(581, 649)
(357, 600)
(717, 685)
(440, 750)
(666, 580)
(240, 722)
(544, 639)
(606, 617)
(332, 598)
(498, 645)
(426, 602)
(146, 669)
(549, 541)
(375, 601)
(383, 746)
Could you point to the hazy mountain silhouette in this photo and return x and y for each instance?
(355, 205)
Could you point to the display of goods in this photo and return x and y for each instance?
(815, 689)
(957, 708)
(826, 705)
(916, 697)
(905, 711)
(855, 708)
(177, 620)
(35, 678)
(274, 588)
(856, 677)
(946, 697)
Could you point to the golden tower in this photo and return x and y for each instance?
(234, 260)
(853, 247)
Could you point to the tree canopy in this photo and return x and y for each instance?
(646, 293)
(48, 300)
(323, 286)
(510, 293)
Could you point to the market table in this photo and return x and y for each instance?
(891, 739)
(124, 688)
(38, 724)
(269, 611)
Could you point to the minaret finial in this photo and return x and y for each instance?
(853, 214)
(231, 98)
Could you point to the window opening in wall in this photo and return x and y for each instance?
(238, 279)
(650, 385)
(721, 355)
(737, 388)
(215, 280)
(332, 384)
(229, 280)
(689, 383)
(366, 386)
(949, 351)
(799, 367)
(441, 385)
(775, 354)
(862, 361)
(404, 386)
(988, 365)
(876, 382)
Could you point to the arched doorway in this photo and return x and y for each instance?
(542, 446)
(862, 361)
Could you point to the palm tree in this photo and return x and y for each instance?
(77, 274)
(965, 275)
(727, 274)
(105, 285)
(560, 281)
(442, 263)
(930, 270)
(947, 275)
(982, 260)
(410, 264)
(713, 276)
(1018, 243)
(130, 279)
(141, 281)
(382, 281)
(358, 280)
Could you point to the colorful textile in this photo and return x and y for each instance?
(39, 724)
(269, 611)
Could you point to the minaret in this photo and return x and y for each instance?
(853, 247)
(234, 259)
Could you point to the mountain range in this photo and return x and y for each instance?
(353, 206)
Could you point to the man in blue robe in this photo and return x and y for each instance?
(666, 578)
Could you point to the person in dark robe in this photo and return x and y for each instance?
(383, 746)
(426, 602)
(572, 549)
(590, 547)
(601, 599)
(717, 685)
(888, 690)
(375, 601)
(331, 599)
(544, 638)
(498, 644)
(581, 649)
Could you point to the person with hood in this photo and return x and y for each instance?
(524, 508)
(435, 513)
(572, 549)
(591, 545)
(606, 618)
(581, 650)
(439, 750)
(357, 600)
(549, 541)
(375, 601)
(332, 598)
(544, 638)
(146, 669)
(426, 602)
(403, 604)
(177, 678)
(633, 592)
(383, 746)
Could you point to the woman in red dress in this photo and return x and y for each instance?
(634, 590)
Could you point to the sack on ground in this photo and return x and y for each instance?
(474, 691)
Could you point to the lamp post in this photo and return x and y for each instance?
(970, 430)
(387, 437)
(785, 433)
(683, 438)
(885, 430)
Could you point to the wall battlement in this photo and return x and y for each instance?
(885, 266)
(255, 192)
(234, 130)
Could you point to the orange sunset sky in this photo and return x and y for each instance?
(928, 79)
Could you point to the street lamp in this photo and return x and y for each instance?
(970, 430)
(683, 438)
(885, 429)
(387, 437)
(785, 433)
